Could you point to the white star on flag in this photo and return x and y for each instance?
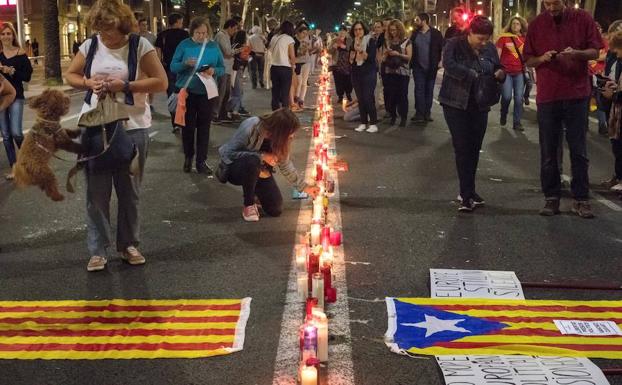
(433, 325)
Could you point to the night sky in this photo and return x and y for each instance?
(324, 13)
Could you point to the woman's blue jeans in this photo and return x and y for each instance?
(11, 127)
(513, 85)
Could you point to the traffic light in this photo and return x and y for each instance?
(312, 26)
(337, 28)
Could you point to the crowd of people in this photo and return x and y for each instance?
(202, 73)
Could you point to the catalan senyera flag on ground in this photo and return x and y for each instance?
(122, 329)
(434, 326)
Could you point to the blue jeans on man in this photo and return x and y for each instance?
(514, 85)
(424, 92)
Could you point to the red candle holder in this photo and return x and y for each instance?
(335, 238)
(331, 295)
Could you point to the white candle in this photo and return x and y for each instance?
(327, 257)
(303, 285)
(317, 290)
(318, 209)
(308, 375)
(301, 257)
(316, 231)
(321, 322)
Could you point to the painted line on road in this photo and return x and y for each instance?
(598, 197)
(341, 368)
(152, 134)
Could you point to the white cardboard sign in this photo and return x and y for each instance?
(449, 283)
(519, 370)
(588, 328)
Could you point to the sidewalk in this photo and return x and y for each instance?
(37, 83)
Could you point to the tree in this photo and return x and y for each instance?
(51, 43)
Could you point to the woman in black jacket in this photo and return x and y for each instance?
(16, 67)
(471, 64)
(364, 74)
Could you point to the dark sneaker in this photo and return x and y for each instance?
(216, 120)
(551, 207)
(205, 169)
(466, 206)
(518, 127)
(403, 122)
(504, 120)
(429, 118)
(418, 119)
(582, 209)
(188, 165)
(478, 201)
(243, 112)
(526, 100)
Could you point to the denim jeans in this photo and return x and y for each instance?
(467, 129)
(552, 118)
(513, 85)
(98, 194)
(364, 83)
(237, 92)
(224, 93)
(11, 127)
(424, 91)
(281, 78)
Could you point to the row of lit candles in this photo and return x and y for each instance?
(315, 255)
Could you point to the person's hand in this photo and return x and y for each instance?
(500, 75)
(114, 85)
(548, 56)
(191, 62)
(609, 89)
(312, 191)
(568, 52)
(208, 72)
(392, 52)
(97, 86)
(269, 158)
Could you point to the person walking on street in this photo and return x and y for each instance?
(166, 44)
(427, 46)
(223, 38)
(258, 51)
(397, 53)
(35, 50)
(364, 75)
(240, 63)
(560, 42)
(302, 47)
(143, 30)
(472, 71)
(341, 67)
(90, 70)
(283, 62)
(259, 145)
(510, 46)
(191, 55)
(16, 68)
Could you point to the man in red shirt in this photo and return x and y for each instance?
(559, 44)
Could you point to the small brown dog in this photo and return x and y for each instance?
(44, 139)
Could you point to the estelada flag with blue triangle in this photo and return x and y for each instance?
(439, 326)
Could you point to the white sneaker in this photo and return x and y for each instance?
(617, 187)
(250, 213)
(360, 128)
(373, 128)
(96, 263)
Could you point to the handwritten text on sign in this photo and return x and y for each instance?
(447, 283)
(519, 370)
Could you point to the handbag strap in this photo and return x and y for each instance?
(196, 66)
(520, 56)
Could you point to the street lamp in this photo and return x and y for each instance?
(79, 34)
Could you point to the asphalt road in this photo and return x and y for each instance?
(398, 216)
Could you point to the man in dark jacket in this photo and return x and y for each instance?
(427, 43)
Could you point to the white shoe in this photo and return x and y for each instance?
(360, 128)
(250, 213)
(617, 187)
(373, 128)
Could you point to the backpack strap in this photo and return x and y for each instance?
(132, 64)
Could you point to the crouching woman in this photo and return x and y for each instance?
(249, 157)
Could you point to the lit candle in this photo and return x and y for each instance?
(314, 263)
(317, 289)
(335, 238)
(308, 375)
(331, 295)
(303, 285)
(327, 256)
(316, 230)
(309, 343)
(317, 210)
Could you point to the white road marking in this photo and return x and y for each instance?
(598, 197)
(340, 370)
(152, 134)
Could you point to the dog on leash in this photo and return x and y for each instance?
(44, 139)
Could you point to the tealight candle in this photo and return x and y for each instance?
(303, 285)
(308, 375)
(317, 289)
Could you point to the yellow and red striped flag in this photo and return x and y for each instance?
(434, 326)
(122, 329)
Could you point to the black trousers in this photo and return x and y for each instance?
(198, 120)
(256, 69)
(552, 118)
(396, 91)
(244, 172)
(281, 78)
(467, 128)
(343, 85)
(364, 83)
(616, 148)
